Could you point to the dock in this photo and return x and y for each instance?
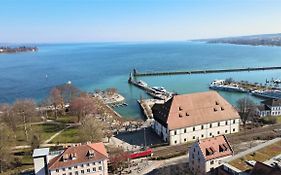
(158, 94)
(146, 106)
(207, 71)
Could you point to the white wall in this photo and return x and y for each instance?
(39, 164)
(197, 162)
(184, 135)
(85, 167)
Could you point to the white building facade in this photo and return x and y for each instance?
(181, 126)
(271, 107)
(88, 159)
(201, 162)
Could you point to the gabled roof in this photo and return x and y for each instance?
(272, 102)
(79, 154)
(193, 109)
(215, 147)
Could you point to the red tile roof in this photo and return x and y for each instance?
(79, 154)
(194, 109)
(215, 147)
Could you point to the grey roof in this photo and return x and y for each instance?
(272, 102)
(40, 152)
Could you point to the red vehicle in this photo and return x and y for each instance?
(144, 153)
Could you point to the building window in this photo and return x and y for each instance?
(212, 162)
(219, 124)
(233, 130)
(94, 169)
(225, 131)
(226, 123)
(193, 137)
(210, 134)
(82, 172)
(210, 125)
(175, 132)
(76, 173)
(69, 168)
(70, 173)
(184, 130)
(75, 167)
(100, 168)
(57, 170)
(88, 164)
(185, 140)
(202, 126)
(63, 169)
(82, 165)
(202, 135)
(233, 121)
(218, 132)
(94, 163)
(63, 174)
(193, 128)
(175, 141)
(88, 170)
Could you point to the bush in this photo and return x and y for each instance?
(269, 120)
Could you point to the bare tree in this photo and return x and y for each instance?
(119, 161)
(68, 92)
(25, 111)
(91, 130)
(111, 91)
(6, 142)
(8, 117)
(246, 109)
(82, 106)
(35, 141)
(56, 100)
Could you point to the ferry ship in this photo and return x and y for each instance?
(221, 85)
(267, 93)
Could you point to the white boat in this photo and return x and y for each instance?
(221, 85)
(161, 89)
(142, 83)
(267, 93)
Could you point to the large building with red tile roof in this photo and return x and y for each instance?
(79, 159)
(207, 154)
(194, 116)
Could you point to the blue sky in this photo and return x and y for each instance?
(135, 20)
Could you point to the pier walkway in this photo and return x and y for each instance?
(207, 71)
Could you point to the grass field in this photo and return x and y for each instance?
(44, 131)
(70, 135)
(259, 155)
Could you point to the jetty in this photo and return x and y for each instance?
(207, 71)
(155, 92)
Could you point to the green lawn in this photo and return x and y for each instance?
(70, 135)
(44, 131)
(259, 155)
(64, 119)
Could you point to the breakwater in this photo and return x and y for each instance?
(207, 71)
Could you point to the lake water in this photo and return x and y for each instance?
(103, 65)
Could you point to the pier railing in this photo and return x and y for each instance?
(207, 71)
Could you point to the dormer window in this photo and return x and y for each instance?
(180, 116)
(217, 103)
(215, 110)
(222, 148)
(180, 108)
(222, 108)
(91, 153)
(186, 114)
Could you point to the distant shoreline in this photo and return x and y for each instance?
(11, 50)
